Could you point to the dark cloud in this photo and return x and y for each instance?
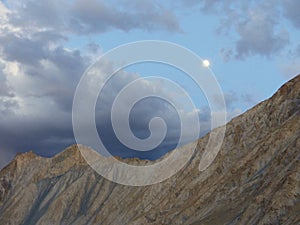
(46, 93)
(45, 136)
(291, 11)
(29, 48)
(7, 106)
(23, 50)
(6, 156)
(140, 116)
(139, 120)
(55, 77)
(38, 77)
(58, 76)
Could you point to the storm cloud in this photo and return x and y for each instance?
(40, 70)
(38, 81)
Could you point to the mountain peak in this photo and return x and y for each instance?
(26, 156)
(70, 152)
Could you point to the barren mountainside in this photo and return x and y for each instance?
(253, 180)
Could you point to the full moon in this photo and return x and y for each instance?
(206, 63)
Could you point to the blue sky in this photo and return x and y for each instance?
(45, 46)
(246, 73)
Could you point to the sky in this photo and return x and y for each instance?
(46, 46)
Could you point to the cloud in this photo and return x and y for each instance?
(258, 35)
(291, 11)
(226, 54)
(255, 27)
(35, 15)
(38, 74)
(92, 16)
(44, 132)
(37, 96)
(140, 115)
(23, 50)
(5, 90)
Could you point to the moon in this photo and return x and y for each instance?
(205, 63)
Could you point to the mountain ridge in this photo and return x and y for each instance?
(253, 180)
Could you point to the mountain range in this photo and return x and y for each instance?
(253, 180)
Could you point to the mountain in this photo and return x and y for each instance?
(253, 180)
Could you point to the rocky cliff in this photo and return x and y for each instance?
(254, 180)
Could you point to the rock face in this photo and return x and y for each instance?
(254, 180)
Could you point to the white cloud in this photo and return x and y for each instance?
(3, 12)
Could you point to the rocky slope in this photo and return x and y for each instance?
(253, 180)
